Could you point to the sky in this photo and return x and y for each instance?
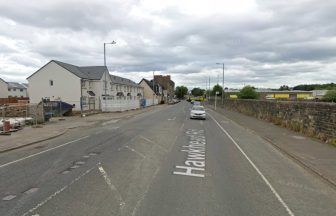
(263, 43)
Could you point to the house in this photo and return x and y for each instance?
(168, 86)
(12, 89)
(3, 89)
(17, 90)
(152, 94)
(86, 88)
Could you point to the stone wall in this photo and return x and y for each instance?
(314, 119)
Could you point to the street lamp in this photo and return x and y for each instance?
(105, 79)
(223, 83)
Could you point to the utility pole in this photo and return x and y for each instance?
(153, 89)
(105, 79)
(222, 84)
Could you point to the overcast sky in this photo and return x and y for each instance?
(264, 43)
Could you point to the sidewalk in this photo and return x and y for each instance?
(317, 156)
(55, 127)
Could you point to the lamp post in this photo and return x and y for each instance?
(223, 83)
(105, 79)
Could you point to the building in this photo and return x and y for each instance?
(275, 94)
(168, 86)
(3, 89)
(152, 94)
(12, 89)
(86, 88)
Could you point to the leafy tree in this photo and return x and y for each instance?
(284, 88)
(248, 92)
(330, 96)
(310, 87)
(217, 88)
(197, 92)
(181, 91)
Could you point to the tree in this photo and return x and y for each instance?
(197, 92)
(181, 91)
(330, 96)
(217, 88)
(284, 88)
(248, 92)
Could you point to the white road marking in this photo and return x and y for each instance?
(150, 141)
(145, 193)
(182, 125)
(8, 198)
(172, 119)
(110, 122)
(57, 192)
(133, 150)
(47, 150)
(256, 169)
(111, 186)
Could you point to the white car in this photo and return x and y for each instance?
(197, 112)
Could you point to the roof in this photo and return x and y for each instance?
(16, 85)
(150, 84)
(123, 81)
(88, 72)
(3, 80)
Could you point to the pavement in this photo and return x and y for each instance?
(311, 153)
(58, 126)
(160, 162)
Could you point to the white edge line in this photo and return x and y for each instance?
(111, 186)
(33, 155)
(256, 168)
(58, 192)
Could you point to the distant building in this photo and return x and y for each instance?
(168, 86)
(267, 94)
(12, 89)
(152, 94)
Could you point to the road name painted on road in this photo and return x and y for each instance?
(195, 163)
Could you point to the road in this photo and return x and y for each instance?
(160, 163)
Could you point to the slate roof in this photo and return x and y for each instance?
(3, 80)
(150, 84)
(90, 72)
(16, 85)
(123, 81)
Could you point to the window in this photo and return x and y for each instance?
(14, 89)
(9, 89)
(21, 90)
(51, 82)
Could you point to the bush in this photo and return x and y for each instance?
(248, 92)
(330, 96)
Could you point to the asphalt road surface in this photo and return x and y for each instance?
(160, 163)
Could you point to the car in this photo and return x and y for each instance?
(197, 103)
(197, 112)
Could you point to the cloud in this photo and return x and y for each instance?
(263, 43)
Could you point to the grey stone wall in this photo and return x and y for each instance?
(314, 119)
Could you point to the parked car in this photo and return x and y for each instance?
(197, 112)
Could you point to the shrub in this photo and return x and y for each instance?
(330, 96)
(248, 92)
